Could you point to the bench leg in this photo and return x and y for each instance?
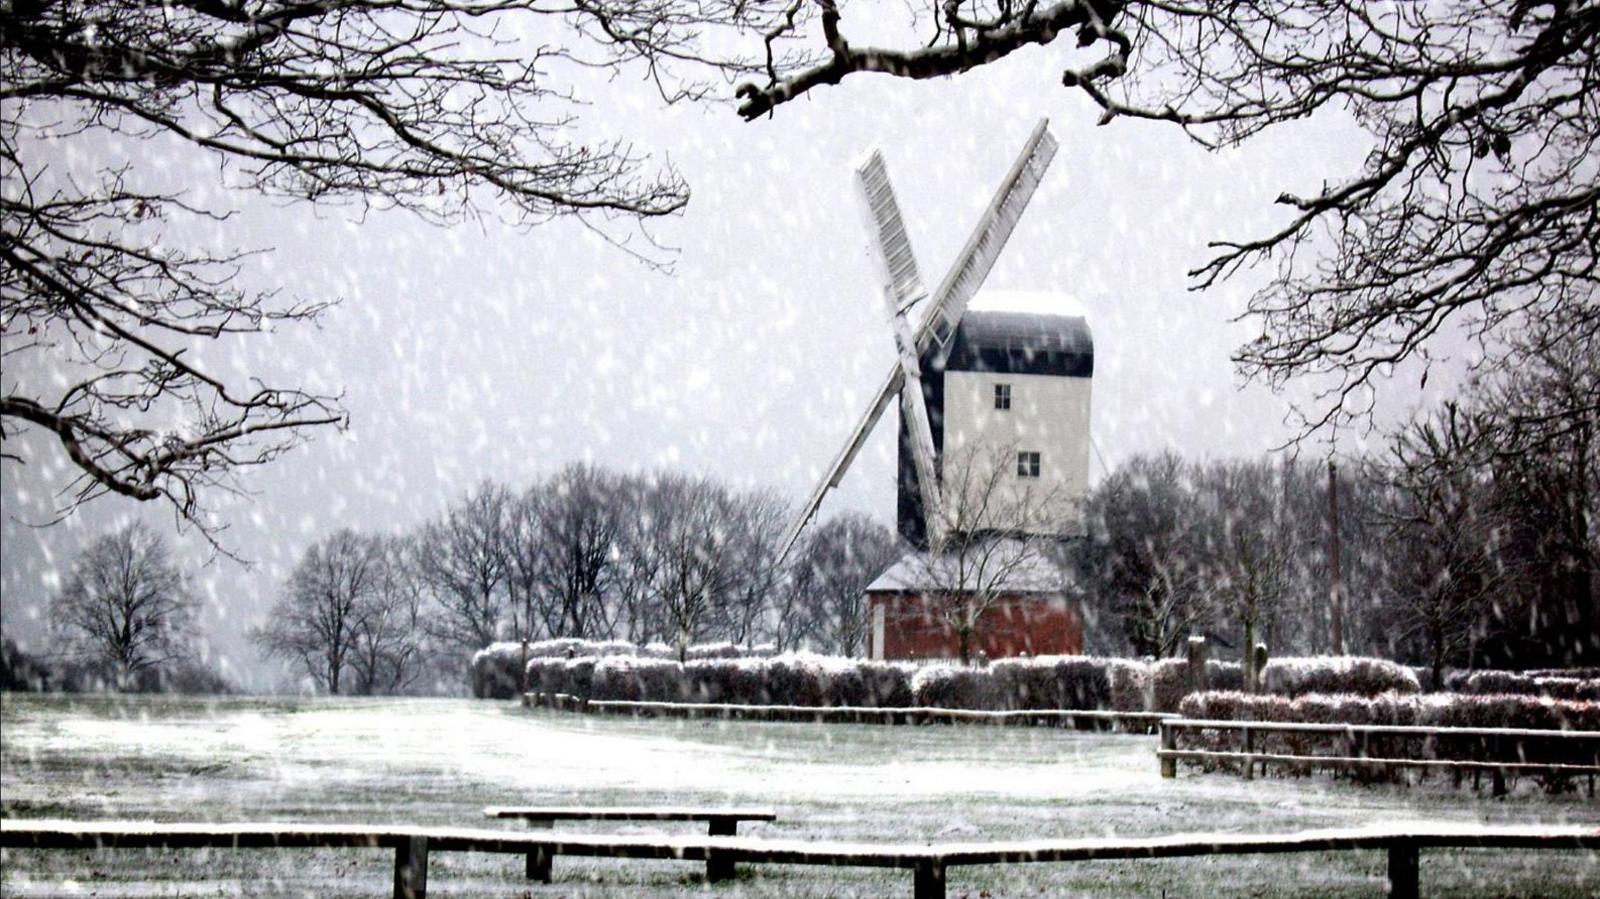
(1403, 865)
(539, 858)
(411, 869)
(720, 869)
(539, 865)
(929, 881)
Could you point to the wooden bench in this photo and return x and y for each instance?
(928, 863)
(720, 822)
(1356, 740)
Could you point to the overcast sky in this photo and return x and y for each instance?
(482, 351)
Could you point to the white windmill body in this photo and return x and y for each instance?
(1000, 375)
(1011, 388)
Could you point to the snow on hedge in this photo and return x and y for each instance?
(1337, 674)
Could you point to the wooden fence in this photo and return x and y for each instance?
(1498, 751)
(927, 863)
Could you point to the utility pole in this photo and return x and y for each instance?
(1335, 574)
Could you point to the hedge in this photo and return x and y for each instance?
(1428, 710)
(1337, 674)
(1023, 684)
(1527, 684)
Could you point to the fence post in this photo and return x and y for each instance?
(538, 867)
(1249, 749)
(411, 868)
(929, 880)
(1197, 665)
(1403, 865)
(1169, 741)
(718, 866)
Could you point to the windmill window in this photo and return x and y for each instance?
(1027, 465)
(1002, 396)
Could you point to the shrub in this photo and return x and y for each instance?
(888, 684)
(1131, 689)
(627, 678)
(1511, 682)
(1337, 674)
(794, 680)
(1169, 683)
(951, 687)
(1224, 675)
(495, 672)
(1026, 683)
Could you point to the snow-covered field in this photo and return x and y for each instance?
(440, 761)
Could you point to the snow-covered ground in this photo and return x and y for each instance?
(440, 761)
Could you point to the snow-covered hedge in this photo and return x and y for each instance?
(1424, 710)
(494, 671)
(955, 687)
(791, 679)
(1073, 682)
(1337, 674)
(1427, 710)
(1518, 683)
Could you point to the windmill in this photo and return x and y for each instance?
(1060, 345)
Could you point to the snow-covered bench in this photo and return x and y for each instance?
(928, 863)
(720, 822)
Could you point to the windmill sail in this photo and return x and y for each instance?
(902, 287)
(949, 301)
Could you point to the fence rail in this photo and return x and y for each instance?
(928, 863)
(916, 715)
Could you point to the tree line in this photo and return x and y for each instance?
(587, 553)
(1468, 537)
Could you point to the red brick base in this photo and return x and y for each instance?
(1012, 626)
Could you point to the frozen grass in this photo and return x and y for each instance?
(440, 761)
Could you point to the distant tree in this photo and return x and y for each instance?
(1474, 204)
(756, 520)
(462, 559)
(393, 649)
(445, 109)
(577, 523)
(1138, 558)
(686, 549)
(824, 598)
(326, 605)
(126, 607)
(1247, 546)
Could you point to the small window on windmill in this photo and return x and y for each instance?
(1027, 465)
(1002, 396)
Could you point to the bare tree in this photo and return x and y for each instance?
(393, 649)
(824, 599)
(1138, 558)
(998, 540)
(462, 559)
(445, 109)
(756, 521)
(1247, 546)
(329, 600)
(1443, 568)
(126, 606)
(579, 522)
(1475, 206)
(689, 538)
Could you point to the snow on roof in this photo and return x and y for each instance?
(1035, 302)
(1031, 572)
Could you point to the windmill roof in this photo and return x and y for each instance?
(1020, 332)
(1012, 567)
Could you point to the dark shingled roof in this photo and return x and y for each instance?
(1020, 343)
